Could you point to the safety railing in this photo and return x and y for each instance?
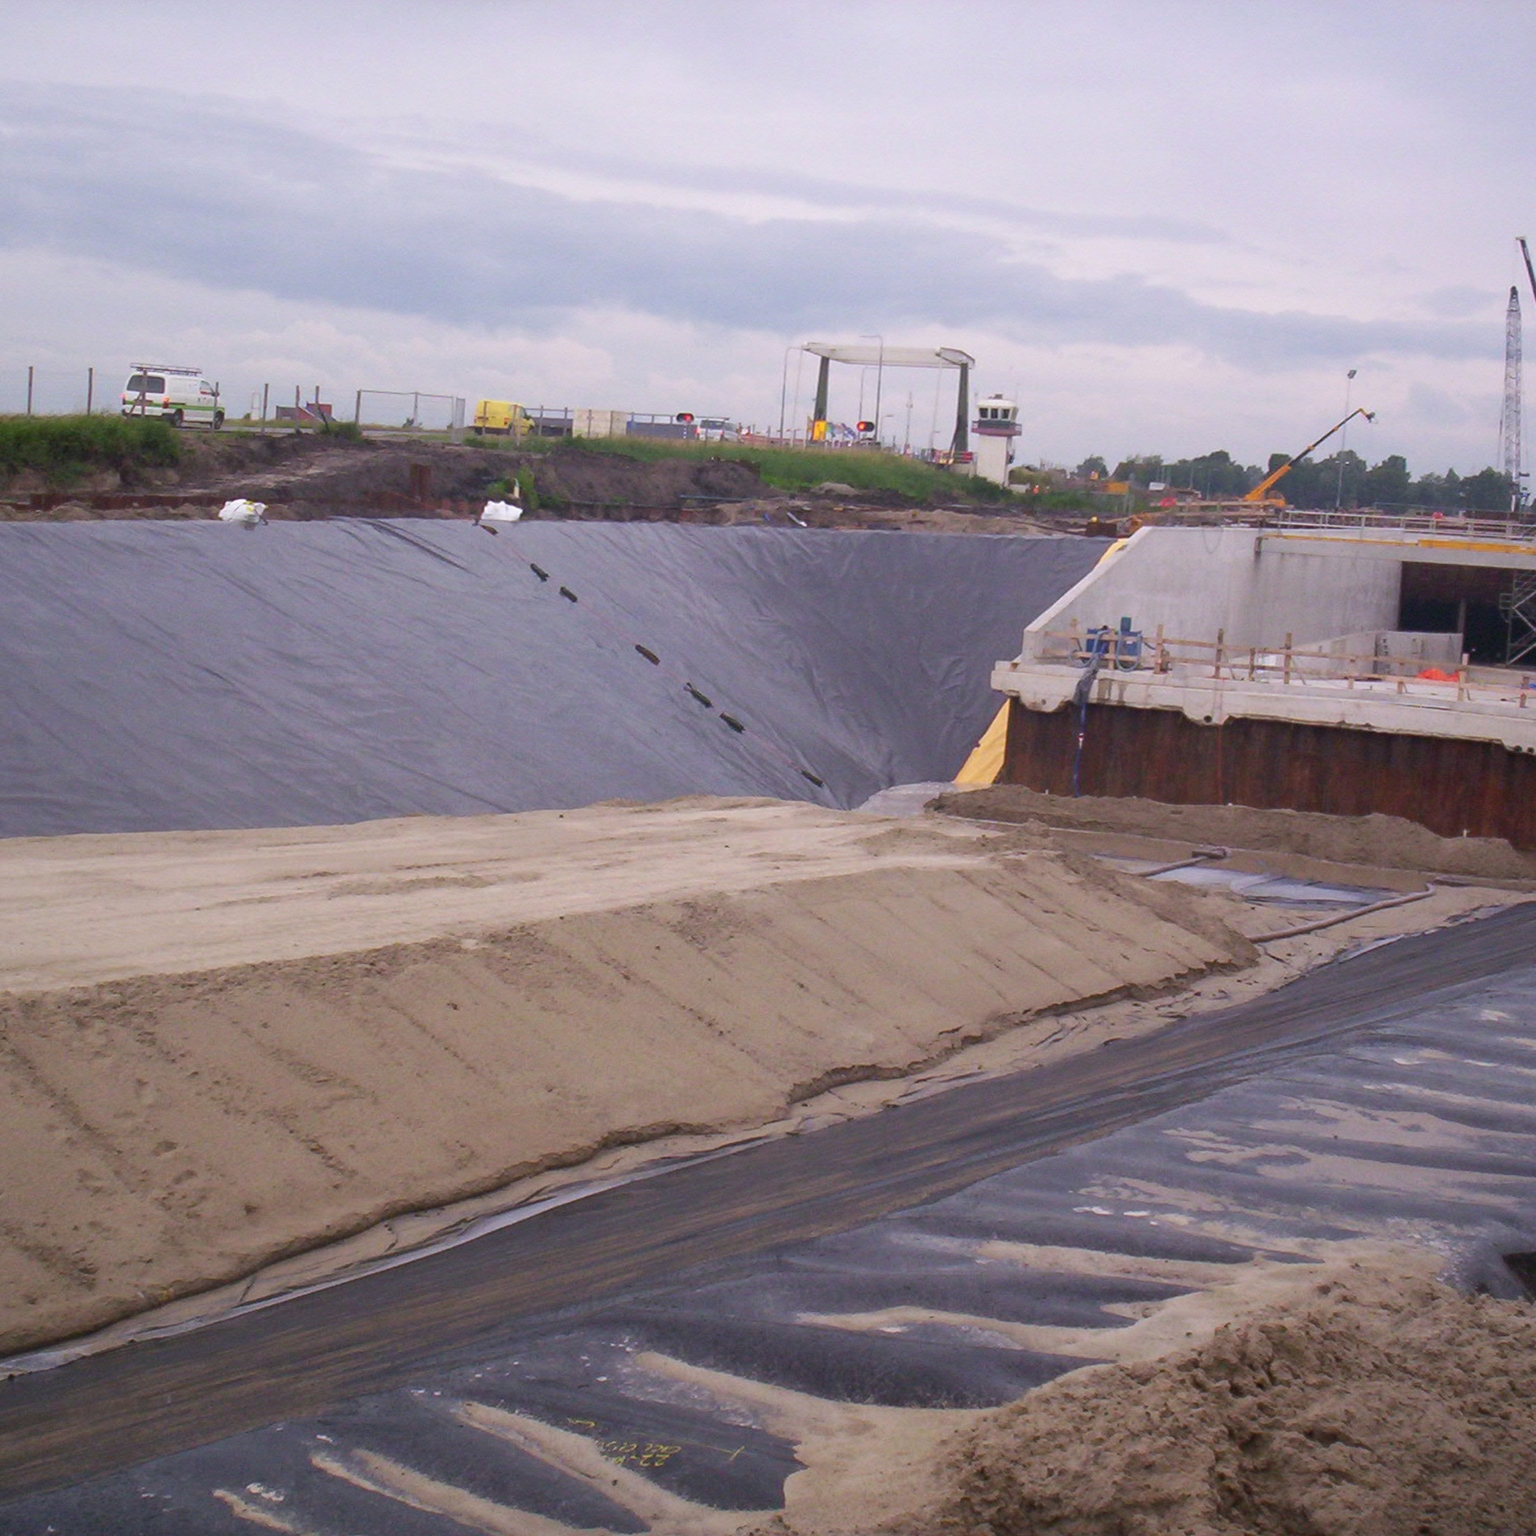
(1189, 660)
(1452, 523)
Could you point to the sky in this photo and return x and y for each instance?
(1163, 227)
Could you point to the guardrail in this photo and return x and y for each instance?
(1288, 664)
(1515, 529)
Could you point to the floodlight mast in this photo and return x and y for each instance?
(884, 357)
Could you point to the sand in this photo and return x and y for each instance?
(1371, 841)
(1369, 1406)
(220, 1048)
(1351, 1396)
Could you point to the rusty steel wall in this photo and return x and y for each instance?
(1455, 788)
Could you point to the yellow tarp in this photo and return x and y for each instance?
(986, 760)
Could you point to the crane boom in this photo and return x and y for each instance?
(1267, 484)
(1525, 251)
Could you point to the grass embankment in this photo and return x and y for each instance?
(63, 448)
(798, 469)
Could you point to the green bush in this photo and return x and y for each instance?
(527, 491)
(66, 447)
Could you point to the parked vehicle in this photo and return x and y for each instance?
(181, 396)
(502, 418)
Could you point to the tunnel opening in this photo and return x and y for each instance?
(1469, 600)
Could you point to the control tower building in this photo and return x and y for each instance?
(993, 431)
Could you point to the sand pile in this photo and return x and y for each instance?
(1386, 842)
(221, 1047)
(1377, 1407)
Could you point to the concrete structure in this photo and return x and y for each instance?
(995, 427)
(589, 423)
(1290, 667)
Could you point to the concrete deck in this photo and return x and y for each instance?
(1406, 706)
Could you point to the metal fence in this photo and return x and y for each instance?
(33, 391)
(408, 410)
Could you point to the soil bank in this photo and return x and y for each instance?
(1387, 842)
(1372, 1406)
(222, 1047)
(1356, 1396)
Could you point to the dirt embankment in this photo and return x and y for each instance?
(307, 475)
(1382, 842)
(222, 1047)
(1373, 1406)
(1354, 1395)
(297, 475)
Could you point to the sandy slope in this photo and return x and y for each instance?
(220, 1047)
(1352, 1396)
(1370, 1405)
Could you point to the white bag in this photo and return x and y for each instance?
(246, 513)
(501, 512)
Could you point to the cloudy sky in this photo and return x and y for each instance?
(1166, 227)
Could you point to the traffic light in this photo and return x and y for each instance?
(866, 426)
(685, 416)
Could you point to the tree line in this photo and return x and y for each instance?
(1341, 480)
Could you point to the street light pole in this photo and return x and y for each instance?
(879, 378)
(879, 384)
(784, 386)
(1349, 384)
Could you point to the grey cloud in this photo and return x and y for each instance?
(1458, 303)
(196, 190)
(824, 192)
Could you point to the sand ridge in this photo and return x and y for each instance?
(1371, 1404)
(1351, 1395)
(94, 907)
(391, 1017)
(1373, 841)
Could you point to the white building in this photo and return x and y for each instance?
(992, 433)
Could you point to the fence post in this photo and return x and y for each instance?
(1286, 676)
(1221, 636)
(357, 410)
(29, 389)
(90, 389)
(264, 389)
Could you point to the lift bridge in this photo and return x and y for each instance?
(881, 357)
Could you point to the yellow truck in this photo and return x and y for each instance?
(501, 418)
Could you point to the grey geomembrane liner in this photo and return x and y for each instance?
(159, 676)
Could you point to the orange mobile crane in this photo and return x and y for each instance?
(1259, 495)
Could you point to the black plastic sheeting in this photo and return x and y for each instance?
(1386, 1117)
(162, 676)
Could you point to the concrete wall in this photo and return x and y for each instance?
(992, 456)
(589, 423)
(1196, 581)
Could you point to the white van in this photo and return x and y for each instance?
(180, 396)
